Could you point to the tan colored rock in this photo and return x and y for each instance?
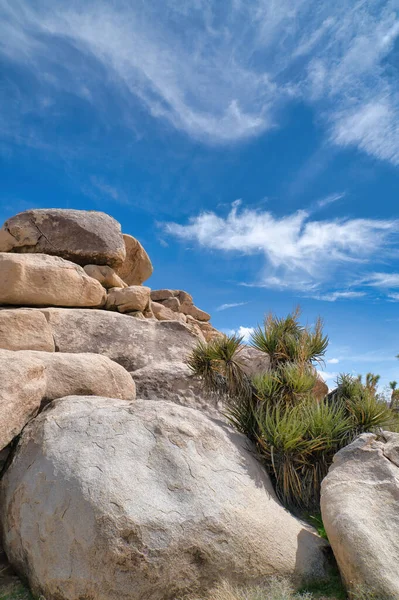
(320, 389)
(112, 501)
(105, 275)
(162, 313)
(129, 299)
(172, 303)
(137, 266)
(209, 332)
(133, 343)
(359, 504)
(23, 383)
(83, 374)
(82, 236)
(25, 329)
(187, 307)
(159, 295)
(39, 280)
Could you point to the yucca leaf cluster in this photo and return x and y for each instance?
(295, 432)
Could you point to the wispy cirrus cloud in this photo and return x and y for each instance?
(300, 253)
(323, 202)
(334, 296)
(218, 75)
(231, 305)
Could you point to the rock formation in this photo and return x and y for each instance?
(359, 503)
(143, 500)
(102, 495)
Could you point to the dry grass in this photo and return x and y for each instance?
(275, 589)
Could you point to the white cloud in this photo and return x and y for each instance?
(217, 75)
(328, 376)
(394, 297)
(232, 305)
(333, 361)
(244, 332)
(300, 253)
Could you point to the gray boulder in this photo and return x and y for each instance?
(82, 236)
(360, 509)
(124, 501)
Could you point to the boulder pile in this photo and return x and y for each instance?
(119, 479)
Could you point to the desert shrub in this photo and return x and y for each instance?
(296, 434)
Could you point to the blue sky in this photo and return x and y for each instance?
(251, 145)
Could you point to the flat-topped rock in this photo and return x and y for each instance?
(137, 266)
(82, 236)
(42, 280)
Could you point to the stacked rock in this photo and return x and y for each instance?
(54, 265)
(81, 259)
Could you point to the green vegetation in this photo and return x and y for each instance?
(296, 433)
(14, 591)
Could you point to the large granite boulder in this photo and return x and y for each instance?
(137, 266)
(133, 343)
(360, 509)
(82, 236)
(40, 280)
(124, 501)
(23, 384)
(25, 329)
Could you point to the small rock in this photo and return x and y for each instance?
(105, 275)
(137, 266)
(159, 295)
(172, 303)
(129, 299)
(162, 313)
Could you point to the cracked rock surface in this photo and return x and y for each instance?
(360, 509)
(143, 500)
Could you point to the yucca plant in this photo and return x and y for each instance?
(296, 434)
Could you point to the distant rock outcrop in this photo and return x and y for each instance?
(143, 500)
